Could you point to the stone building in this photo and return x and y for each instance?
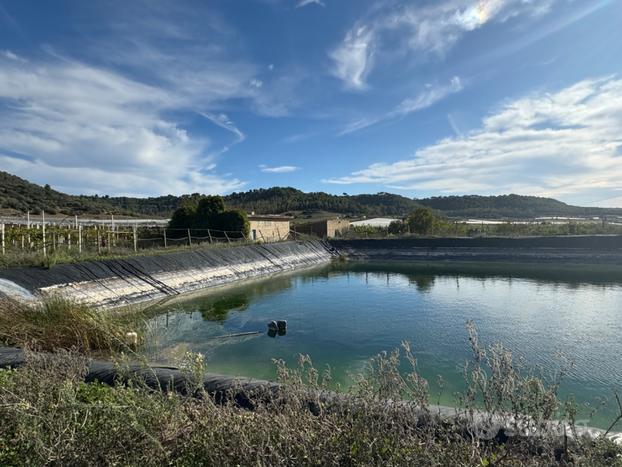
(269, 227)
(328, 228)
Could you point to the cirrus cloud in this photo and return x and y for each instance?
(281, 169)
(432, 28)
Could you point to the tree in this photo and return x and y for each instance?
(421, 221)
(183, 218)
(207, 212)
(232, 221)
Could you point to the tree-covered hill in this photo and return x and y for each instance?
(510, 206)
(278, 200)
(18, 196)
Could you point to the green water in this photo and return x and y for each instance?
(342, 315)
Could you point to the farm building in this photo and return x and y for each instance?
(328, 228)
(268, 227)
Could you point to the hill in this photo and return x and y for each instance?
(510, 206)
(18, 196)
(279, 200)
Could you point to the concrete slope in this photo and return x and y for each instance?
(117, 282)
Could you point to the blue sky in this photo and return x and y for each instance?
(420, 98)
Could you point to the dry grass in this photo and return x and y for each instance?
(50, 417)
(56, 323)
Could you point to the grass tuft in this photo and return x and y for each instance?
(56, 323)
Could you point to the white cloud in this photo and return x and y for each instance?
(90, 129)
(426, 98)
(431, 28)
(568, 143)
(354, 57)
(282, 169)
(303, 3)
(61, 116)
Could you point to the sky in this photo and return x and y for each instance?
(420, 98)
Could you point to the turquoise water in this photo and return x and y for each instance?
(342, 315)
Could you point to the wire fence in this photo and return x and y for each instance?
(47, 239)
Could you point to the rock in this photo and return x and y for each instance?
(131, 339)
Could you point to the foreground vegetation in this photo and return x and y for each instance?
(51, 417)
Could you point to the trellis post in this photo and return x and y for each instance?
(43, 227)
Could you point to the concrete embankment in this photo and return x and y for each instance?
(137, 279)
(592, 250)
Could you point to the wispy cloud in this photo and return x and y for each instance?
(560, 144)
(303, 3)
(97, 117)
(9, 20)
(223, 121)
(431, 28)
(297, 137)
(426, 98)
(89, 129)
(353, 58)
(282, 169)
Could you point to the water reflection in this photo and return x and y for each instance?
(217, 305)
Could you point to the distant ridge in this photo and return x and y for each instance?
(18, 196)
(510, 206)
